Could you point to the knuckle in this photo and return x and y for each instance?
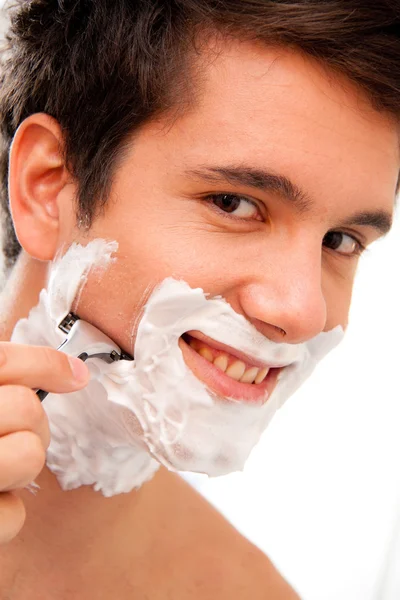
(25, 401)
(46, 433)
(33, 454)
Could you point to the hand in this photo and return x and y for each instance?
(24, 429)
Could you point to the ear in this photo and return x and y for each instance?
(37, 177)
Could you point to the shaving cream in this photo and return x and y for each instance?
(132, 416)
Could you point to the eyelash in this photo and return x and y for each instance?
(211, 197)
(360, 248)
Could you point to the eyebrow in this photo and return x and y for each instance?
(380, 220)
(267, 181)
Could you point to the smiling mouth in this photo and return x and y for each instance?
(229, 375)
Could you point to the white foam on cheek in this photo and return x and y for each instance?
(184, 425)
(154, 407)
(66, 280)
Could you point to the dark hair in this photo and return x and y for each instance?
(103, 69)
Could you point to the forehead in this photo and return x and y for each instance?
(274, 108)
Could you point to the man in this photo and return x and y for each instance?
(247, 148)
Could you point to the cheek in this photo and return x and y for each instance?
(338, 299)
(180, 249)
(114, 300)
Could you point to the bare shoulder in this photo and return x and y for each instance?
(195, 553)
(234, 570)
(207, 558)
(263, 579)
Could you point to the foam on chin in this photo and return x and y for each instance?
(134, 415)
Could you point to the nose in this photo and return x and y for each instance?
(284, 299)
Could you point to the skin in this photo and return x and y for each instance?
(260, 107)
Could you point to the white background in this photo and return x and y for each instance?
(321, 493)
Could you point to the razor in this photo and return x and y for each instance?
(86, 341)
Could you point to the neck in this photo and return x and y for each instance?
(77, 543)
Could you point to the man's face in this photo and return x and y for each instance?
(207, 198)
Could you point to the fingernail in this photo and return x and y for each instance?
(79, 369)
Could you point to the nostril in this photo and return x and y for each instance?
(281, 331)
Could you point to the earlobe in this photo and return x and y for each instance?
(37, 175)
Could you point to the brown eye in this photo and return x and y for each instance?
(333, 239)
(343, 243)
(237, 206)
(227, 202)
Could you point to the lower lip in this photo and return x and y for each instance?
(224, 386)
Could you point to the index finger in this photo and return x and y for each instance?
(41, 367)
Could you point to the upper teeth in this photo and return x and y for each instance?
(235, 369)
